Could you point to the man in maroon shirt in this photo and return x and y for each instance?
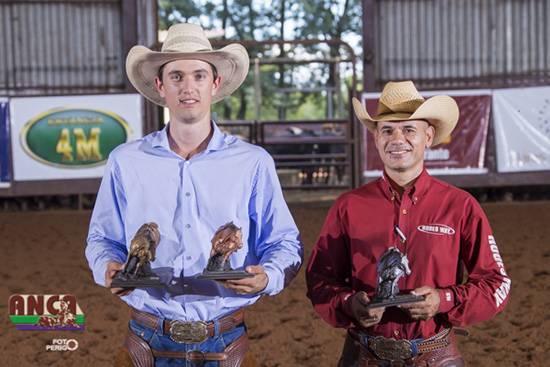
(440, 228)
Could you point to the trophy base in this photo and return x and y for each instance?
(225, 275)
(121, 281)
(397, 300)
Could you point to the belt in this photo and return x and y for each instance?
(189, 332)
(193, 356)
(393, 350)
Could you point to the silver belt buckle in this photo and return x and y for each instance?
(188, 332)
(390, 349)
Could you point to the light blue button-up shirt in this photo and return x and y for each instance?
(231, 180)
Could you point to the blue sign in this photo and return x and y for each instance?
(4, 142)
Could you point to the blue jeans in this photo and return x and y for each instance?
(159, 341)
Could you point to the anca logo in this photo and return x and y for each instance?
(437, 229)
(45, 312)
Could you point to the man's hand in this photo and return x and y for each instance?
(113, 268)
(365, 317)
(426, 309)
(251, 285)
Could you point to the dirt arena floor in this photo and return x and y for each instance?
(43, 252)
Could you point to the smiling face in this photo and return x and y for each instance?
(188, 86)
(401, 144)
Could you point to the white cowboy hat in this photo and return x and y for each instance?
(400, 101)
(186, 42)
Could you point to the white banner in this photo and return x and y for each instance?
(522, 128)
(67, 137)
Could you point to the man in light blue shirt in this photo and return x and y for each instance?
(190, 179)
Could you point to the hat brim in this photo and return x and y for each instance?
(440, 111)
(142, 67)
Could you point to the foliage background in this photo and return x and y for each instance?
(276, 20)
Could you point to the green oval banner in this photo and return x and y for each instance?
(74, 137)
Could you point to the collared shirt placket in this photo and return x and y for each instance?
(402, 210)
(405, 213)
(186, 199)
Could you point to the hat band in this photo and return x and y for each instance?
(394, 114)
(186, 39)
(398, 96)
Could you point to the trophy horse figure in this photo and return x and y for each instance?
(142, 251)
(391, 267)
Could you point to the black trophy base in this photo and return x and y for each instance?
(400, 299)
(121, 281)
(225, 275)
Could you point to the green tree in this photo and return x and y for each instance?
(328, 20)
(177, 11)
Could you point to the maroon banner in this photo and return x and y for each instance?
(462, 153)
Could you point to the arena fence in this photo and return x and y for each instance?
(309, 154)
(456, 43)
(70, 47)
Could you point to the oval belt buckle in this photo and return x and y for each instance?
(188, 332)
(390, 349)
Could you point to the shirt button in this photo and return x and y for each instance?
(404, 211)
(188, 226)
(188, 194)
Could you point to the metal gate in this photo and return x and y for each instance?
(309, 154)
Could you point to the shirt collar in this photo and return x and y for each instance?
(415, 192)
(160, 139)
(218, 141)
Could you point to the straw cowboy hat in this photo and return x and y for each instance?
(189, 42)
(400, 101)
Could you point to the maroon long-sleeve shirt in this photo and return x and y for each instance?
(445, 227)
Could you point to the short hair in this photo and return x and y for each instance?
(161, 69)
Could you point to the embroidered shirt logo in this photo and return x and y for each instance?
(437, 229)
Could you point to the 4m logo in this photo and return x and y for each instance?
(45, 312)
(70, 137)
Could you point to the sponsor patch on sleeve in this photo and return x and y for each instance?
(503, 290)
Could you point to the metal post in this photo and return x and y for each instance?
(330, 108)
(338, 86)
(355, 155)
(257, 89)
(129, 33)
(369, 51)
